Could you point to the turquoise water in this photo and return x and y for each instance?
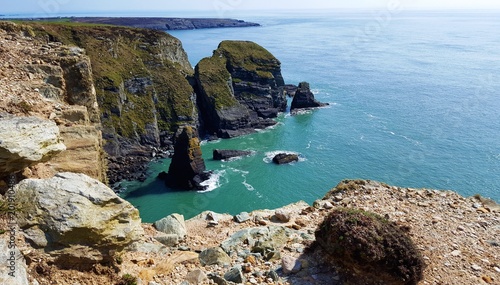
(414, 102)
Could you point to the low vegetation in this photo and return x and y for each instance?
(369, 247)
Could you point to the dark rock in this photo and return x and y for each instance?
(187, 170)
(235, 275)
(304, 98)
(290, 89)
(223, 154)
(370, 247)
(284, 158)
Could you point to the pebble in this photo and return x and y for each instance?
(290, 265)
(456, 253)
(242, 217)
(282, 215)
(476, 267)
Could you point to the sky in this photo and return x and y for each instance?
(219, 7)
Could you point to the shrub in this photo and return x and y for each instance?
(128, 279)
(369, 249)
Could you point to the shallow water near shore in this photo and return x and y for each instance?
(413, 102)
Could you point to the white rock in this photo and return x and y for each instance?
(25, 141)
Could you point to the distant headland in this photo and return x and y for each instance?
(155, 23)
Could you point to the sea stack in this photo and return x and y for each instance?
(187, 170)
(304, 98)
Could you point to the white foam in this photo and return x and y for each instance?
(213, 182)
(248, 186)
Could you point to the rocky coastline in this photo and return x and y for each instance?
(155, 23)
(67, 117)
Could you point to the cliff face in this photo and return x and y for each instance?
(240, 89)
(53, 82)
(140, 84)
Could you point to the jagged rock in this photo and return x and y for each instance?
(223, 154)
(304, 98)
(242, 217)
(25, 141)
(268, 237)
(215, 255)
(235, 275)
(284, 158)
(187, 169)
(13, 270)
(240, 89)
(172, 225)
(82, 220)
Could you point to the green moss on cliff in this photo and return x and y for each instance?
(121, 54)
(215, 81)
(249, 56)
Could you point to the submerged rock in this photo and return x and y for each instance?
(187, 170)
(284, 158)
(304, 98)
(25, 141)
(223, 154)
(76, 218)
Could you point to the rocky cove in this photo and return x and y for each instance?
(129, 92)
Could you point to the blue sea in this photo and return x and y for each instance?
(414, 102)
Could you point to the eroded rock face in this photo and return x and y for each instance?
(304, 98)
(75, 218)
(240, 88)
(26, 141)
(187, 170)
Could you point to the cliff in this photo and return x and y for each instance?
(140, 85)
(240, 89)
(53, 82)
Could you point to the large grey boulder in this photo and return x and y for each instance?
(25, 141)
(172, 225)
(13, 269)
(76, 218)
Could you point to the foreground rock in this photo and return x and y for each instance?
(76, 219)
(224, 154)
(304, 98)
(187, 170)
(285, 158)
(26, 141)
(370, 249)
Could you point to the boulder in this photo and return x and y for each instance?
(75, 218)
(172, 225)
(235, 275)
(304, 98)
(285, 158)
(215, 255)
(25, 141)
(187, 170)
(223, 154)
